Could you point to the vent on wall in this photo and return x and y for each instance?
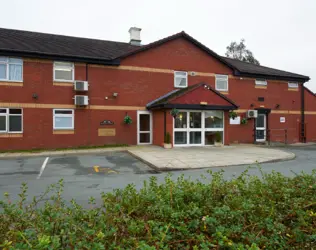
(260, 99)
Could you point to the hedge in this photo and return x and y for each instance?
(247, 212)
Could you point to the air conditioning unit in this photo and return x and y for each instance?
(81, 100)
(81, 85)
(252, 113)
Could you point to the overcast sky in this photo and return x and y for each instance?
(280, 33)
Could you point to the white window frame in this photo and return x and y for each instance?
(261, 82)
(217, 76)
(72, 67)
(7, 63)
(202, 129)
(180, 76)
(293, 85)
(7, 115)
(72, 115)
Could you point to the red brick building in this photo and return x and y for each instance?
(41, 75)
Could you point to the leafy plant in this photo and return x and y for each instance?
(167, 138)
(218, 137)
(174, 112)
(232, 115)
(240, 52)
(127, 120)
(271, 211)
(244, 121)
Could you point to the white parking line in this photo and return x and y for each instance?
(42, 168)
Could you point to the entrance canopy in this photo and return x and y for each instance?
(200, 96)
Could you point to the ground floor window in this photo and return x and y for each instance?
(10, 120)
(198, 127)
(63, 118)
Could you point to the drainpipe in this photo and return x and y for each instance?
(165, 124)
(303, 132)
(89, 111)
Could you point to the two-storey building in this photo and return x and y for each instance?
(60, 91)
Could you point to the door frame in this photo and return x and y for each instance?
(261, 128)
(150, 127)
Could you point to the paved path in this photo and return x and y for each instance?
(206, 157)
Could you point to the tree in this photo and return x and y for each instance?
(240, 52)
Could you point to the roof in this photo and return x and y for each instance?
(245, 68)
(165, 100)
(50, 46)
(59, 45)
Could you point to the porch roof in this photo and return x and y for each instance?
(192, 97)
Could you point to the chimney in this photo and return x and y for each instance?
(134, 36)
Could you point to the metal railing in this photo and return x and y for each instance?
(280, 135)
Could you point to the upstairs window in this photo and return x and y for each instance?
(10, 120)
(261, 82)
(64, 72)
(293, 85)
(63, 118)
(180, 79)
(221, 82)
(11, 69)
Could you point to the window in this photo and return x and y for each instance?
(293, 85)
(10, 120)
(64, 72)
(260, 82)
(221, 82)
(11, 69)
(180, 79)
(63, 118)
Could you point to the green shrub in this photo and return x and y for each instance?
(167, 138)
(248, 212)
(218, 137)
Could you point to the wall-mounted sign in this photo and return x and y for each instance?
(106, 132)
(235, 121)
(107, 122)
(282, 119)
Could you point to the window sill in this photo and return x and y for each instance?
(180, 87)
(292, 89)
(224, 92)
(261, 87)
(11, 83)
(62, 83)
(11, 135)
(63, 131)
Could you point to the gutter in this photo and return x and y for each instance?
(49, 56)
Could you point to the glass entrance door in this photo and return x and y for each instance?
(261, 128)
(196, 128)
(144, 127)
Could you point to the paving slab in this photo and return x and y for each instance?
(206, 157)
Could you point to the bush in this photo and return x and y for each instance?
(248, 212)
(218, 137)
(167, 138)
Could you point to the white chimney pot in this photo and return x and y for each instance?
(135, 36)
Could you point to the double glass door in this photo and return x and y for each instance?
(196, 128)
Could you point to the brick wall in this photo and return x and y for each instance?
(140, 79)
